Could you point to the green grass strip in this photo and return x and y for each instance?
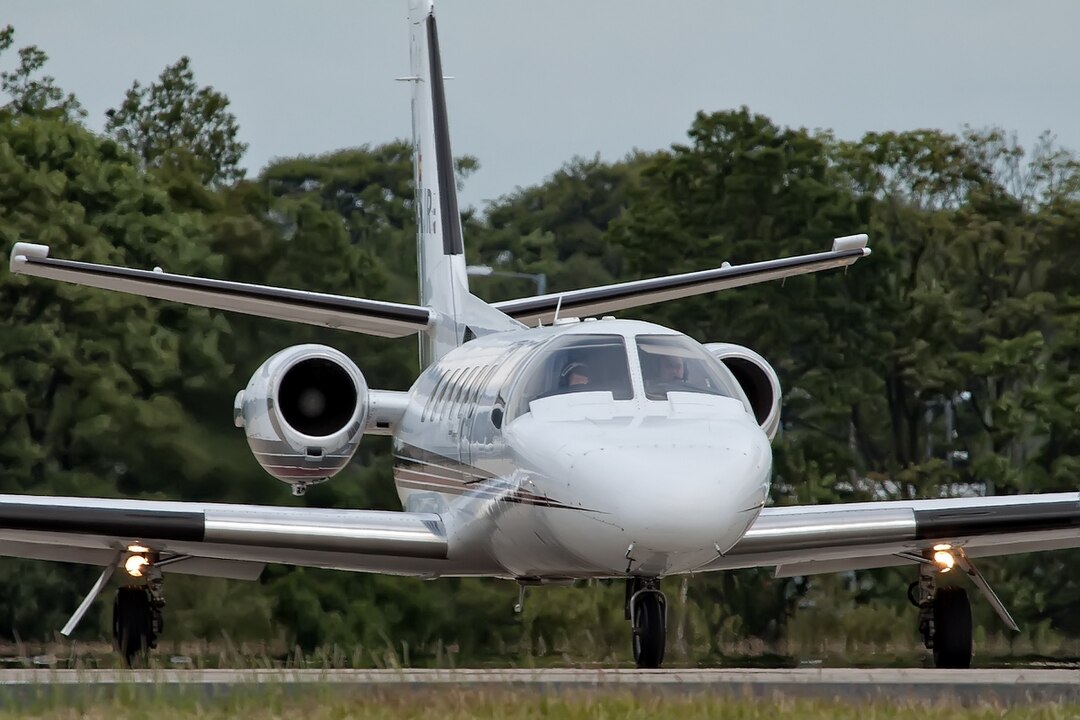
(328, 703)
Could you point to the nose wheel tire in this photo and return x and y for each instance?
(952, 628)
(135, 624)
(649, 631)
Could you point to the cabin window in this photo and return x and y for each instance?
(675, 363)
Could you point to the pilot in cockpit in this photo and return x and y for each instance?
(575, 376)
(672, 369)
(663, 373)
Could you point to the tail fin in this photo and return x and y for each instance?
(440, 250)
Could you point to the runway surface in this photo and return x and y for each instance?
(1008, 686)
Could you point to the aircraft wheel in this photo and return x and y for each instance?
(133, 624)
(952, 628)
(649, 632)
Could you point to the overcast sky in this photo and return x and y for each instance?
(539, 82)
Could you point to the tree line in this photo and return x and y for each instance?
(940, 365)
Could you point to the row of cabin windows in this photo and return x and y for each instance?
(456, 391)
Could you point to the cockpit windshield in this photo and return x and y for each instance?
(676, 363)
(578, 363)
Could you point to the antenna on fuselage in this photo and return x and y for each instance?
(558, 306)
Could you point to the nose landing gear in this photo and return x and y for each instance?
(646, 609)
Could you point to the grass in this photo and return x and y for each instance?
(458, 704)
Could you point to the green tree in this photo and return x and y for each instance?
(176, 122)
(82, 372)
(29, 94)
(556, 228)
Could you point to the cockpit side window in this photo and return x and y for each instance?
(676, 363)
(576, 363)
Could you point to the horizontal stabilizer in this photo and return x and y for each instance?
(621, 296)
(371, 317)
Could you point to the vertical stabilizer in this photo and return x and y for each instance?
(440, 249)
(440, 252)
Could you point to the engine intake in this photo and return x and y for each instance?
(304, 412)
(317, 397)
(757, 379)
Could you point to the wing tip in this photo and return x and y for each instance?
(851, 242)
(23, 252)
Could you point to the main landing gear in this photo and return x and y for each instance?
(945, 612)
(137, 608)
(646, 609)
(137, 617)
(944, 619)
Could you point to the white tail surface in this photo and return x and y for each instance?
(440, 249)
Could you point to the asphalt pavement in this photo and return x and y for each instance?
(1006, 686)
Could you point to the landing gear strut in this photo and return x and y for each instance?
(646, 609)
(137, 617)
(944, 619)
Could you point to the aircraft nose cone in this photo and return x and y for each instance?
(680, 495)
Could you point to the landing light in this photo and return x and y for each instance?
(135, 564)
(141, 549)
(944, 560)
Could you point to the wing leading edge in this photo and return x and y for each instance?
(810, 539)
(371, 317)
(90, 530)
(386, 319)
(621, 296)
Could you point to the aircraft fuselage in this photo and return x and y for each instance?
(625, 473)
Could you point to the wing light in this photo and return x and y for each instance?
(944, 559)
(135, 565)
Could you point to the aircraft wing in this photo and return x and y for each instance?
(621, 296)
(221, 540)
(371, 317)
(809, 539)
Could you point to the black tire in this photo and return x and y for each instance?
(650, 634)
(133, 630)
(952, 628)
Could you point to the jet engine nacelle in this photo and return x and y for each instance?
(757, 379)
(304, 412)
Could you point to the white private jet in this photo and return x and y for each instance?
(533, 446)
